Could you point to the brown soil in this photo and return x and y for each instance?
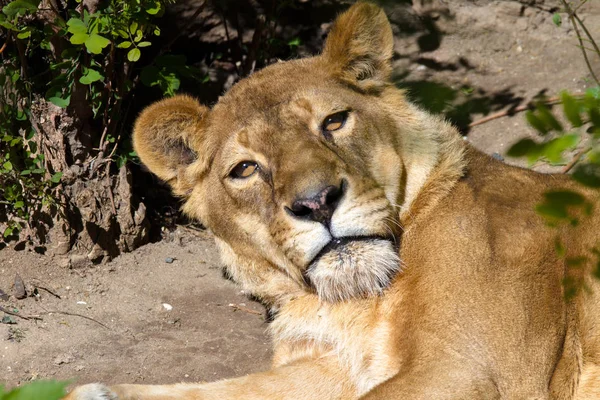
(498, 54)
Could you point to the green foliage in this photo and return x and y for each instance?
(166, 72)
(557, 19)
(583, 115)
(567, 207)
(36, 390)
(96, 57)
(25, 184)
(564, 205)
(556, 140)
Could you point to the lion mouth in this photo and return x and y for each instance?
(352, 267)
(340, 246)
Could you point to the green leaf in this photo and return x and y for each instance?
(24, 34)
(170, 85)
(295, 42)
(547, 118)
(522, 148)
(20, 7)
(553, 211)
(123, 33)
(7, 25)
(536, 123)
(37, 390)
(19, 204)
(571, 108)
(95, 43)
(138, 36)
(134, 54)
(553, 149)
(144, 44)
(61, 65)
(154, 9)
(557, 203)
(594, 92)
(594, 156)
(565, 197)
(133, 27)
(124, 45)
(56, 97)
(56, 177)
(7, 166)
(588, 175)
(26, 172)
(75, 25)
(79, 38)
(557, 19)
(149, 75)
(7, 232)
(60, 102)
(90, 76)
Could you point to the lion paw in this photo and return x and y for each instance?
(93, 391)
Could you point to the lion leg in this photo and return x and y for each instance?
(322, 378)
(448, 383)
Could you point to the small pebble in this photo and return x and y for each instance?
(498, 156)
(83, 303)
(169, 260)
(167, 306)
(19, 289)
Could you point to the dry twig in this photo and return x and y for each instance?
(26, 317)
(49, 291)
(4, 45)
(77, 315)
(512, 111)
(575, 159)
(245, 309)
(574, 21)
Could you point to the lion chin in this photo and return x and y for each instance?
(353, 267)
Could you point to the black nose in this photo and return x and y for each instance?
(320, 207)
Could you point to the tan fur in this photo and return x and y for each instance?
(476, 308)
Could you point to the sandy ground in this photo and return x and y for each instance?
(495, 54)
(212, 331)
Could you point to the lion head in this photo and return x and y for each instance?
(297, 169)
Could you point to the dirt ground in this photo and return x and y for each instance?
(114, 322)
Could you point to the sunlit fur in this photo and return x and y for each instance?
(445, 283)
(356, 269)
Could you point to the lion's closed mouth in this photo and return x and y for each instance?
(352, 267)
(340, 246)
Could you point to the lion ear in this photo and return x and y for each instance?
(360, 45)
(168, 137)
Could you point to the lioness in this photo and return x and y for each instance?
(400, 262)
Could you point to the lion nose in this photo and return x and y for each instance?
(320, 207)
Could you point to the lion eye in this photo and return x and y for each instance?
(244, 169)
(334, 122)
